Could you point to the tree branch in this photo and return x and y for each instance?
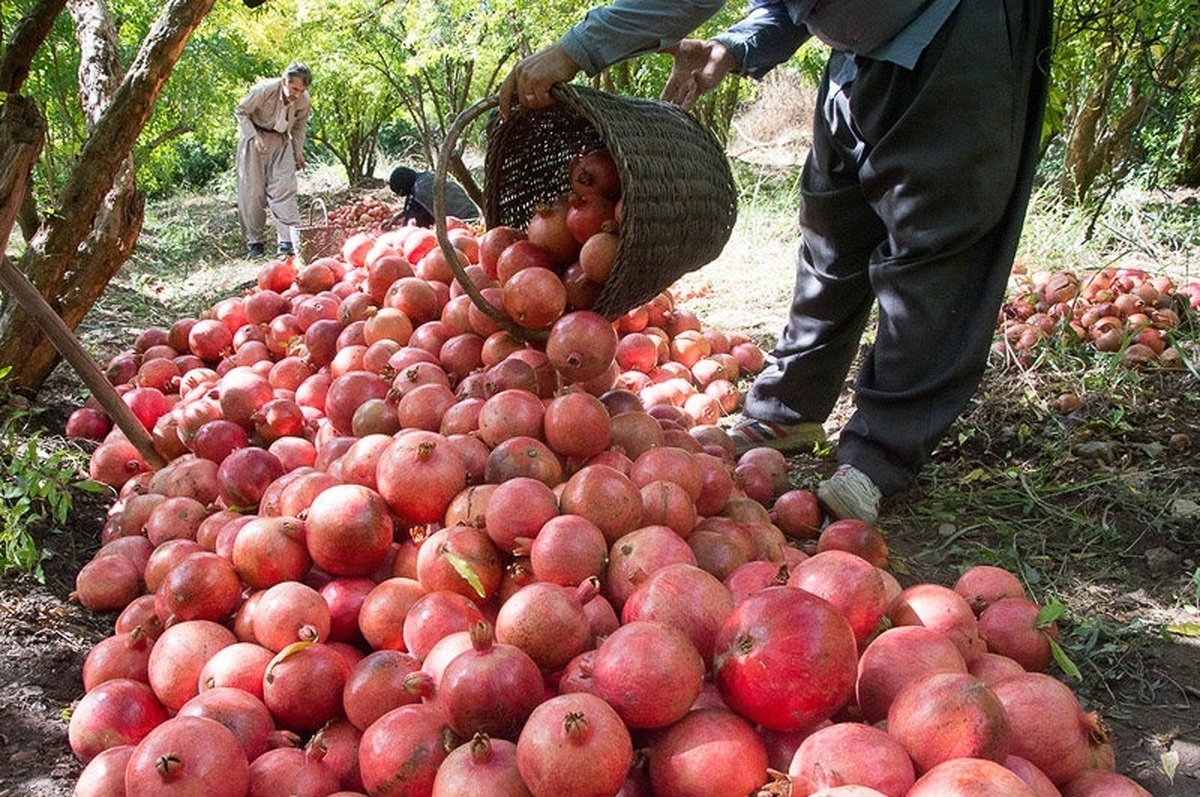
(30, 32)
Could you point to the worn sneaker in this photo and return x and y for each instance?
(850, 493)
(286, 248)
(751, 433)
(254, 250)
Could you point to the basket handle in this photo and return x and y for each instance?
(465, 118)
(318, 203)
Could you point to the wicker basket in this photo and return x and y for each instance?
(319, 240)
(679, 200)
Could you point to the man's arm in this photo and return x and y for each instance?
(245, 109)
(608, 34)
(300, 129)
(764, 39)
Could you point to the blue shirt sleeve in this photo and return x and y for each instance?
(626, 28)
(767, 37)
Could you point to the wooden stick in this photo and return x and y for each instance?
(19, 286)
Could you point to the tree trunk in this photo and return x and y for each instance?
(92, 231)
(23, 130)
(1188, 154)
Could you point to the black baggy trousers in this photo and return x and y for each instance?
(913, 196)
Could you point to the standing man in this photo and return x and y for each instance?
(272, 122)
(925, 139)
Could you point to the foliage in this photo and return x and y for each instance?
(36, 474)
(1126, 92)
(391, 77)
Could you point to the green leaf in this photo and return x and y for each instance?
(1063, 660)
(1050, 613)
(1191, 629)
(463, 568)
(91, 486)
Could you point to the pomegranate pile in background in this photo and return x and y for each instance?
(1123, 311)
(396, 550)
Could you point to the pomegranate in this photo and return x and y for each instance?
(122, 655)
(178, 656)
(491, 688)
(460, 559)
(303, 685)
(798, 514)
(637, 555)
(547, 621)
(1037, 781)
(381, 681)
(204, 586)
(292, 772)
(976, 777)
(568, 549)
(117, 712)
(595, 172)
(785, 659)
(574, 745)
(435, 615)
(708, 753)
(548, 229)
(650, 672)
(104, 776)
(1100, 783)
(348, 530)
(379, 617)
(856, 537)
(400, 752)
(269, 550)
(481, 766)
(107, 583)
(942, 609)
(419, 474)
(946, 715)
(581, 345)
(897, 657)
(241, 712)
(186, 756)
(1050, 728)
(576, 424)
(240, 665)
(1010, 627)
(982, 585)
(290, 612)
(685, 597)
(850, 583)
(849, 753)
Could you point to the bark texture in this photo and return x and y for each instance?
(98, 214)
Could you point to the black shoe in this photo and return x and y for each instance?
(255, 250)
(286, 248)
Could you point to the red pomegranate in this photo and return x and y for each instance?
(785, 659)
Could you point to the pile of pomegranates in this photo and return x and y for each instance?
(398, 551)
(1124, 311)
(363, 215)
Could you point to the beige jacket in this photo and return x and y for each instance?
(263, 110)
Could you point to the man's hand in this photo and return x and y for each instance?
(260, 146)
(699, 66)
(300, 163)
(532, 77)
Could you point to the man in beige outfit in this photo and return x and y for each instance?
(272, 122)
